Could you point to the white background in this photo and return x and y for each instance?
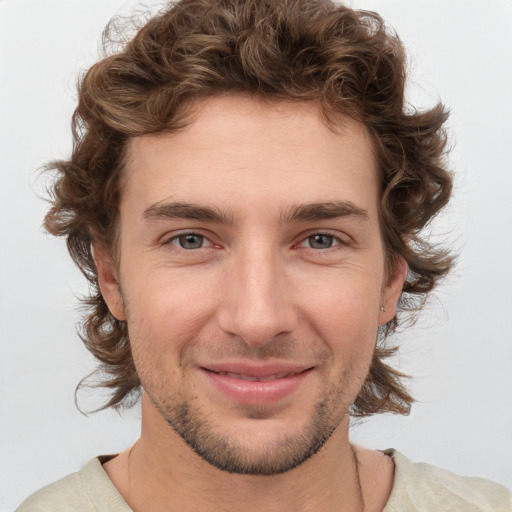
(460, 353)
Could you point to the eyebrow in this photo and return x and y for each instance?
(323, 211)
(177, 210)
(296, 213)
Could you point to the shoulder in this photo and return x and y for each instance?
(420, 486)
(89, 490)
(65, 494)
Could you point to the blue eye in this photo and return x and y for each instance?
(321, 241)
(189, 241)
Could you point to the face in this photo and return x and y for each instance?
(252, 278)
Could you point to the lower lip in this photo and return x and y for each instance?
(256, 392)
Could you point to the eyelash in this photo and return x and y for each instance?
(336, 240)
(185, 234)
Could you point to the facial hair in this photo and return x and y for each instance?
(282, 452)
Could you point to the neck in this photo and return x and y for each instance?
(162, 470)
(174, 483)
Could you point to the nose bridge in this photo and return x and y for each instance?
(258, 305)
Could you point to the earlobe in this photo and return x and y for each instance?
(108, 281)
(392, 290)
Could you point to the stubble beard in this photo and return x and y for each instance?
(273, 457)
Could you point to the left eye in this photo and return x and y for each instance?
(320, 241)
(189, 241)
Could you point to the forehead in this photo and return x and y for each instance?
(241, 151)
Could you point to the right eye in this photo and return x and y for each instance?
(188, 241)
(321, 241)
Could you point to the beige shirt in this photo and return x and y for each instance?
(417, 487)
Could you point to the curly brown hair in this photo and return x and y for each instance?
(346, 61)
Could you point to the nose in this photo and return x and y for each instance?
(258, 303)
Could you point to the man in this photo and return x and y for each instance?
(245, 196)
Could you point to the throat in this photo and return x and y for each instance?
(316, 485)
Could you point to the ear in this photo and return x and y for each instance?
(392, 290)
(108, 281)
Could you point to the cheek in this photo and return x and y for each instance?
(342, 298)
(344, 314)
(166, 309)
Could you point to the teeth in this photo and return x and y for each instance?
(253, 378)
(276, 376)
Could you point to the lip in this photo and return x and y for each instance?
(256, 384)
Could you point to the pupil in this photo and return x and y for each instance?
(321, 241)
(191, 241)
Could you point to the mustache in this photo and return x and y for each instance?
(277, 348)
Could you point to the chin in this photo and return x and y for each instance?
(256, 444)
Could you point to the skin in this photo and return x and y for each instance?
(262, 282)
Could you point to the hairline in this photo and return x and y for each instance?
(192, 107)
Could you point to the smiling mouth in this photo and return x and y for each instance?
(254, 378)
(256, 386)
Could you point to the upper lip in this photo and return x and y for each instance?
(257, 370)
